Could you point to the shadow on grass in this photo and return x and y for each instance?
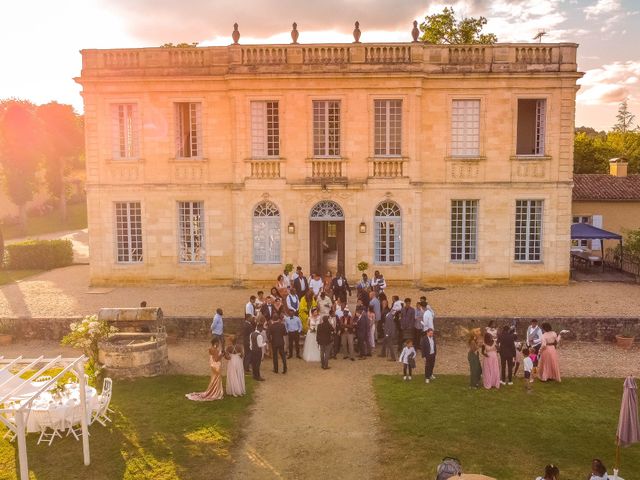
(508, 433)
(156, 433)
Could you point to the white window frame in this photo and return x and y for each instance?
(540, 127)
(194, 149)
(265, 129)
(465, 127)
(464, 231)
(191, 232)
(266, 228)
(387, 127)
(327, 124)
(128, 232)
(387, 239)
(529, 216)
(125, 118)
(587, 219)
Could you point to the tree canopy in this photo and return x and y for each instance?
(445, 28)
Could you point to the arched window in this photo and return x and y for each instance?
(266, 233)
(388, 233)
(326, 210)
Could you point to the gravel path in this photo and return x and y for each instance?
(65, 292)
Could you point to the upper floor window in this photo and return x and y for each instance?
(128, 232)
(531, 127)
(124, 118)
(266, 233)
(326, 128)
(388, 233)
(464, 230)
(265, 129)
(388, 127)
(188, 130)
(191, 244)
(528, 239)
(465, 128)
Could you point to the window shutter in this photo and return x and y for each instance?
(115, 131)
(597, 222)
(178, 129)
(135, 131)
(258, 129)
(199, 142)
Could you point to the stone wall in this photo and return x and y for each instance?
(588, 329)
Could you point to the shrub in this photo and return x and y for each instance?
(288, 268)
(39, 255)
(363, 266)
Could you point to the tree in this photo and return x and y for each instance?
(20, 151)
(625, 118)
(444, 28)
(63, 141)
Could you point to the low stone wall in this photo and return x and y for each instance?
(588, 329)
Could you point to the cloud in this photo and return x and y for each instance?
(602, 7)
(610, 84)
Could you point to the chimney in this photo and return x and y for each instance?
(618, 167)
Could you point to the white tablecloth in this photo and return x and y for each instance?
(47, 408)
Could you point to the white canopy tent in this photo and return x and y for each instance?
(17, 395)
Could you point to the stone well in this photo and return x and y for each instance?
(129, 355)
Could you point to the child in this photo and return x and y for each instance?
(534, 359)
(519, 358)
(408, 359)
(527, 365)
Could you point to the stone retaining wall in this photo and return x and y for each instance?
(590, 329)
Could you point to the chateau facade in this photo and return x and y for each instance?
(433, 163)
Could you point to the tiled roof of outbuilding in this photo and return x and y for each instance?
(596, 186)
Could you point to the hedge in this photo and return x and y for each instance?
(39, 255)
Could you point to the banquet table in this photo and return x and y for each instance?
(60, 407)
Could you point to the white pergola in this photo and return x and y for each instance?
(17, 395)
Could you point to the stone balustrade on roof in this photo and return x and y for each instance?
(413, 58)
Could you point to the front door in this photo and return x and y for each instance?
(326, 246)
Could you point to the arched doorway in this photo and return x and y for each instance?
(326, 238)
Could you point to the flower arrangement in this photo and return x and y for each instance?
(363, 266)
(87, 334)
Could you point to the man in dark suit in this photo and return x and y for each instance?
(247, 329)
(340, 287)
(325, 340)
(268, 310)
(429, 354)
(276, 334)
(362, 329)
(256, 344)
(300, 284)
(507, 350)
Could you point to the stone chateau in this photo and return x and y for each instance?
(433, 163)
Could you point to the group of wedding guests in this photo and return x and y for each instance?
(598, 472)
(496, 356)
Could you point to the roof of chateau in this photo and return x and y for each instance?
(596, 186)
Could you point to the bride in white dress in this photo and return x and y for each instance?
(311, 352)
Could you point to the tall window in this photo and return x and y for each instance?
(265, 129)
(388, 233)
(128, 232)
(388, 127)
(266, 233)
(188, 130)
(465, 128)
(528, 247)
(464, 230)
(191, 246)
(124, 117)
(326, 128)
(531, 127)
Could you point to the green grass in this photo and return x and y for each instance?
(156, 433)
(10, 276)
(38, 225)
(507, 434)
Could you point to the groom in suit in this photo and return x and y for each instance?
(276, 334)
(429, 354)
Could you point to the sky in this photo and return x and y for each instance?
(41, 39)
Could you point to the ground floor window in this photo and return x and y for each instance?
(388, 233)
(191, 244)
(528, 239)
(128, 232)
(464, 230)
(266, 233)
(581, 219)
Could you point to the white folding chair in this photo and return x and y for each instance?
(73, 421)
(104, 399)
(45, 421)
(10, 434)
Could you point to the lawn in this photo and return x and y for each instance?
(156, 433)
(41, 224)
(507, 434)
(10, 276)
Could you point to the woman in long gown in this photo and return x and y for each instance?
(548, 365)
(214, 390)
(235, 370)
(490, 365)
(311, 351)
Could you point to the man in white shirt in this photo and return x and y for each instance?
(256, 343)
(534, 335)
(427, 319)
(316, 284)
(293, 302)
(250, 307)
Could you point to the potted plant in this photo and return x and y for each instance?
(6, 332)
(626, 338)
(363, 266)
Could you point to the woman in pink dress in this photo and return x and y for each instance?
(548, 365)
(490, 365)
(235, 370)
(214, 390)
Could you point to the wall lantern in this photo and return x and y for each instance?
(363, 227)
(291, 228)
